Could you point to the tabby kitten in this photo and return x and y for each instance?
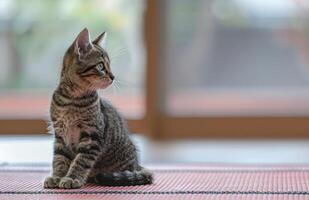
(92, 142)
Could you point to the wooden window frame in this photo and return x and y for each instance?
(40, 126)
(159, 125)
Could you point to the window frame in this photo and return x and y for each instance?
(161, 125)
(157, 124)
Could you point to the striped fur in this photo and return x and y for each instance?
(92, 142)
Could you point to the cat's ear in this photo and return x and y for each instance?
(101, 40)
(82, 44)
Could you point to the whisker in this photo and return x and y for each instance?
(116, 87)
(123, 82)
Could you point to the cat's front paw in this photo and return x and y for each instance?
(69, 183)
(51, 182)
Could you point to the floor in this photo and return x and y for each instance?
(16, 149)
(187, 169)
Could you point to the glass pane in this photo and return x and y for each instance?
(35, 34)
(237, 57)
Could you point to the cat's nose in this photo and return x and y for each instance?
(112, 77)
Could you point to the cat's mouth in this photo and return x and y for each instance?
(105, 83)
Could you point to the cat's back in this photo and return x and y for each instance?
(107, 107)
(114, 121)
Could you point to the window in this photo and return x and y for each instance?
(212, 68)
(237, 58)
(35, 34)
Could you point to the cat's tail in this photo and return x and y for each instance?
(125, 178)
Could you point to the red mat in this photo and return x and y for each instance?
(24, 182)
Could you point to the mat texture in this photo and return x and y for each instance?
(171, 182)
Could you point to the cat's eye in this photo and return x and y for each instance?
(100, 67)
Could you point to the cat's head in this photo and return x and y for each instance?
(86, 64)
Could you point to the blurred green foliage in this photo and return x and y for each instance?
(41, 30)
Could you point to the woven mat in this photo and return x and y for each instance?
(211, 182)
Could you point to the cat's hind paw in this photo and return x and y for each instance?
(51, 182)
(69, 183)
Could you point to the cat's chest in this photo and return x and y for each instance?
(72, 123)
(69, 123)
(72, 136)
